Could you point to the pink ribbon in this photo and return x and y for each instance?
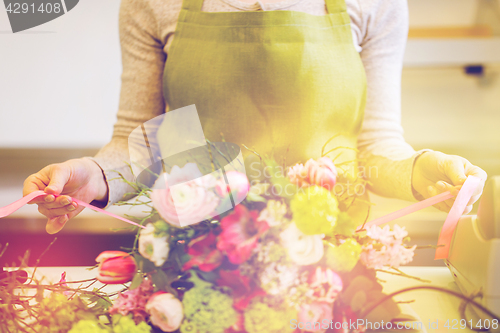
(9, 209)
(456, 211)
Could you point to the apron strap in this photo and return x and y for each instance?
(334, 6)
(192, 5)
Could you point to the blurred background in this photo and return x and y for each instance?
(59, 89)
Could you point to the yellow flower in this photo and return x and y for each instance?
(315, 210)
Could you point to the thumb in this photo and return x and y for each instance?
(455, 171)
(58, 178)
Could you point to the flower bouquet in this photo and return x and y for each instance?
(289, 257)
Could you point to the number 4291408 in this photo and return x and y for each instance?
(485, 324)
(23, 8)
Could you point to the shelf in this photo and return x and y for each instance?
(451, 52)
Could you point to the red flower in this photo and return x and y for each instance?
(115, 267)
(204, 253)
(243, 288)
(240, 234)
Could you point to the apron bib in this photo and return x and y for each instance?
(279, 82)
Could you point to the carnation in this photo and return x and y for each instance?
(315, 210)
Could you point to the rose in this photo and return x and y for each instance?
(165, 311)
(238, 186)
(302, 249)
(314, 315)
(152, 246)
(190, 200)
(115, 267)
(321, 173)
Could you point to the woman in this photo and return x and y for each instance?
(273, 75)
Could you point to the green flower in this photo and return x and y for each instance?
(263, 317)
(207, 309)
(125, 324)
(315, 210)
(87, 326)
(344, 257)
(58, 314)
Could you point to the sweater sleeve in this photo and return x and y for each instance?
(141, 99)
(387, 159)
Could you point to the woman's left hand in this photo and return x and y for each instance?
(435, 172)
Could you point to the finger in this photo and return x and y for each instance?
(455, 170)
(468, 209)
(48, 212)
(432, 191)
(64, 210)
(445, 187)
(56, 224)
(32, 184)
(58, 179)
(473, 199)
(59, 202)
(472, 170)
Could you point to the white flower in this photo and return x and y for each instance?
(277, 278)
(166, 311)
(274, 213)
(152, 247)
(302, 249)
(191, 198)
(392, 253)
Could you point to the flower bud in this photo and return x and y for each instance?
(115, 267)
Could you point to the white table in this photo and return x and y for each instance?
(429, 306)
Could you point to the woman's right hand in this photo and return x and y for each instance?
(79, 178)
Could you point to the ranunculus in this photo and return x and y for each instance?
(115, 267)
(240, 233)
(191, 200)
(314, 314)
(302, 249)
(165, 311)
(238, 186)
(204, 253)
(153, 247)
(325, 285)
(321, 173)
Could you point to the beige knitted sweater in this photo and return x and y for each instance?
(379, 29)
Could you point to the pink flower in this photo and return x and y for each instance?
(389, 249)
(62, 283)
(204, 253)
(243, 288)
(316, 316)
(134, 301)
(190, 200)
(238, 185)
(240, 234)
(165, 310)
(325, 285)
(115, 267)
(321, 172)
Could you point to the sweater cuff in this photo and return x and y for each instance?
(117, 188)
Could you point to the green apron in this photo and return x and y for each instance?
(280, 82)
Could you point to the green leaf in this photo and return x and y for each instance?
(137, 280)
